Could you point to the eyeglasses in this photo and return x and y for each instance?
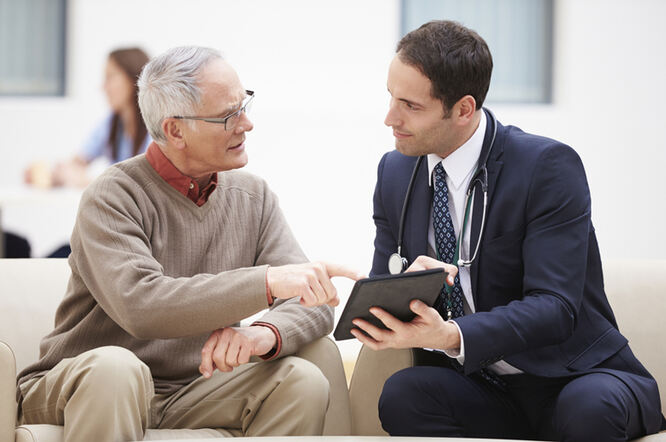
(231, 120)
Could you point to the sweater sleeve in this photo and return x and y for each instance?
(112, 255)
(296, 324)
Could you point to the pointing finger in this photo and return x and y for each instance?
(342, 270)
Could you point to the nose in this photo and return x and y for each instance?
(392, 118)
(244, 124)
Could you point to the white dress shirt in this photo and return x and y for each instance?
(460, 167)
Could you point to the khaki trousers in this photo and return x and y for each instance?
(107, 394)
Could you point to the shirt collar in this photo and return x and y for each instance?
(182, 183)
(462, 161)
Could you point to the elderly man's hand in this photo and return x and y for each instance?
(230, 347)
(310, 281)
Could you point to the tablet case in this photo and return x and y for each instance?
(393, 293)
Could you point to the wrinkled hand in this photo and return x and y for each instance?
(310, 281)
(426, 263)
(230, 347)
(427, 330)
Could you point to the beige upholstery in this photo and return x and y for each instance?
(637, 293)
(31, 291)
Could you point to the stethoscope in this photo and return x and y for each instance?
(397, 263)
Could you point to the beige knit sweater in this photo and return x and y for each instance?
(155, 273)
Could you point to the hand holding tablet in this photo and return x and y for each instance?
(393, 293)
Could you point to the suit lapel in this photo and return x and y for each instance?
(494, 166)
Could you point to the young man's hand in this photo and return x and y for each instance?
(427, 330)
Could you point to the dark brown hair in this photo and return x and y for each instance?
(455, 59)
(131, 61)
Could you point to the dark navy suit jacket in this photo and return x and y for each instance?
(537, 281)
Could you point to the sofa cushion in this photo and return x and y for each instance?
(636, 291)
(29, 303)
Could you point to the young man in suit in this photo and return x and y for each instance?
(525, 342)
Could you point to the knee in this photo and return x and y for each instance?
(309, 383)
(115, 366)
(391, 397)
(593, 410)
(396, 402)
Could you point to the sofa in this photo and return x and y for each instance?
(636, 290)
(31, 291)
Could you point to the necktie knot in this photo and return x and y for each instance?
(440, 174)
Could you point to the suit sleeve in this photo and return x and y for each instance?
(385, 242)
(554, 253)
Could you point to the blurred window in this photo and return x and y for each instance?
(519, 34)
(32, 47)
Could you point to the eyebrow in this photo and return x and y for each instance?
(233, 108)
(412, 103)
(404, 100)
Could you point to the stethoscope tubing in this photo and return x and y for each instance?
(480, 177)
(405, 203)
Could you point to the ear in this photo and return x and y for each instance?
(173, 130)
(465, 109)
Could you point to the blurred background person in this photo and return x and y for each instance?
(121, 135)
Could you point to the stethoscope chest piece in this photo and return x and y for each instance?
(397, 264)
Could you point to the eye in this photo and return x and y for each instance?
(411, 106)
(232, 115)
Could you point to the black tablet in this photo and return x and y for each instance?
(393, 293)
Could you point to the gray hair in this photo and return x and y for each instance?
(168, 86)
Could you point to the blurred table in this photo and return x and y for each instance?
(45, 217)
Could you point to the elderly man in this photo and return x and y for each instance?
(168, 255)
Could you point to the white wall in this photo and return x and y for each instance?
(319, 69)
(608, 89)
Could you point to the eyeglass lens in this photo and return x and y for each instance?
(232, 120)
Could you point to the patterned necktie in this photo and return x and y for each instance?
(445, 240)
(451, 306)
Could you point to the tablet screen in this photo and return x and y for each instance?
(393, 293)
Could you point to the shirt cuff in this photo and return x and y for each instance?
(278, 345)
(457, 354)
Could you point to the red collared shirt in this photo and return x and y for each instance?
(190, 189)
(182, 183)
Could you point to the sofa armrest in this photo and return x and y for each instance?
(325, 355)
(7, 393)
(371, 371)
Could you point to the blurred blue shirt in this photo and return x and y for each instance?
(97, 144)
